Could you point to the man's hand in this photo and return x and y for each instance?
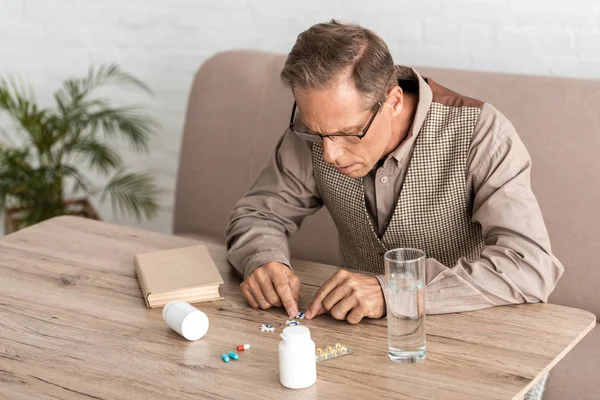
(350, 296)
(272, 285)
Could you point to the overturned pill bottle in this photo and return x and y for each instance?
(185, 319)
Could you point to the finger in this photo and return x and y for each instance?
(268, 290)
(282, 286)
(320, 311)
(257, 293)
(338, 294)
(317, 303)
(248, 295)
(341, 309)
(356, 315)
(295, 287)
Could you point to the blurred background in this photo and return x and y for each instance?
(43, 43)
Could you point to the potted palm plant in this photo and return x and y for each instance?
(46, 161)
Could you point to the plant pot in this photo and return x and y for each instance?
(77, 207)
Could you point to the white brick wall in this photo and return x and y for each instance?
(163, 42)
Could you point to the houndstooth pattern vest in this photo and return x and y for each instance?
(432, 213)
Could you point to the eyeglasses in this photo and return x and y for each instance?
(342, 137)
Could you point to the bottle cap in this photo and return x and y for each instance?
(298, 332)
(194, 325)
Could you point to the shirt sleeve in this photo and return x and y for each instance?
(516, 263)
(274, 207)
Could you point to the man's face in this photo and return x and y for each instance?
(342, 109)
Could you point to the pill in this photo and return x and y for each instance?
(243, 347)
(225, 357)
(233, 355)
(330, 352)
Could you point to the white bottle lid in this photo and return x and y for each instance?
(293, 333)
(185, 319)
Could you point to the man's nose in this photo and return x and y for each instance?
(331, 151)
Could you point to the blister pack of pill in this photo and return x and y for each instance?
(331, 352)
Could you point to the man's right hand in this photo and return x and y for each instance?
(272, 285)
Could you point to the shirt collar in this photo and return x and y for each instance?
(424, 102)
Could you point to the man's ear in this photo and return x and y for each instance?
(395, 100)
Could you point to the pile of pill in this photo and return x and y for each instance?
(331, 352)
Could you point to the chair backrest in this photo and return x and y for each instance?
(238, 108)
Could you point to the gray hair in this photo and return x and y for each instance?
(327, 49)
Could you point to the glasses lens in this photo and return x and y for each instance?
(308, 136)
(348, 139)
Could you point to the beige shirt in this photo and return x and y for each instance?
(516, 264)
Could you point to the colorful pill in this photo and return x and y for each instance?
(225, 357)
(233, 355)
(243, 347)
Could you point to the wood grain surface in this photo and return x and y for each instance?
(73, 325)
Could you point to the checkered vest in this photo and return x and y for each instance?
(432, 213)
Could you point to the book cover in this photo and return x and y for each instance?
(188, 274)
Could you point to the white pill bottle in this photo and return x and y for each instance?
(297, 363)
(185, 319)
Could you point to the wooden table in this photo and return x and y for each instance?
(73, 325)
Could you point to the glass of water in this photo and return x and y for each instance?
(405, 279)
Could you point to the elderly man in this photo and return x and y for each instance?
(399, 161)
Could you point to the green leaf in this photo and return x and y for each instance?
(133, 194)
(78, 113)
(20, 106)
(101, 156)
(37, 189)
(75, 91)
(80, 181)
(112, 73)
(125, 121)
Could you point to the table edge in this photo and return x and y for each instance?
(560, 356)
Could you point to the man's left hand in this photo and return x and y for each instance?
(350, 296)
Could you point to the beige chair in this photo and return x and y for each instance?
(238, 109)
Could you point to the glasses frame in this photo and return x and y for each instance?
(376, 109)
